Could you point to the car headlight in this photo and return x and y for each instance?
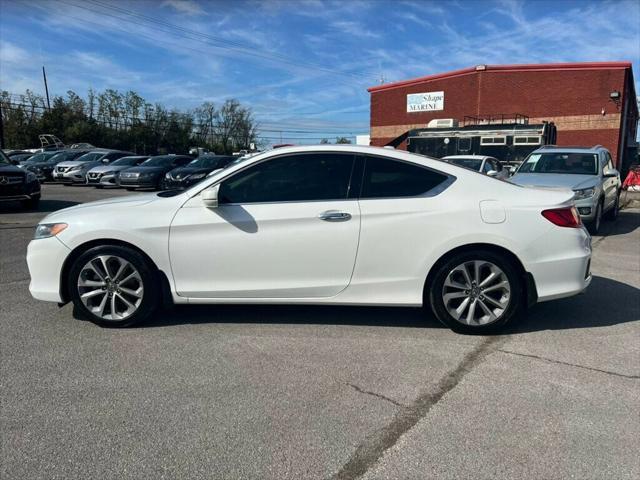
(46, 230)
(31, 177)
(584, 193)
(167, 176)
(197, 176)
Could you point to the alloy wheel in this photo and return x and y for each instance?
(110, 287)
(476, 292)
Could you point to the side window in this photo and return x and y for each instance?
(487, 167)
(609, 162)
(386, 178)
(291, 178)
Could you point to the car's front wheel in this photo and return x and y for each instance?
(113, 286)
(613, 213)
(594, 225)
(476, 292)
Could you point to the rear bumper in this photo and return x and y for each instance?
(564, 272)
(45, 258)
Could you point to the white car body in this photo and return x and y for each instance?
(283, 253)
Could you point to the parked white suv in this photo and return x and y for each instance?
(350, 225)
(589, 172)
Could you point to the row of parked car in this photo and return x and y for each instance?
(116, 168)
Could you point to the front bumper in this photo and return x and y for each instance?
(145, 182)
(587, 208)
(70, 177)
(105, 180)
(45, 258)
(20, 191)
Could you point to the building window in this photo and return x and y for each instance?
(464, 144)
(493, 140)
(526, 140)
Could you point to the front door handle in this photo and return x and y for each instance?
(334, 216)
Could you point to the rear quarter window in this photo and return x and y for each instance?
(386, 178)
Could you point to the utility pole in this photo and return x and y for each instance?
(1, 129)
(46, 88)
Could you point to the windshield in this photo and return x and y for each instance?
(130, 161)
(90, 157)
(561, 162)
(40, 157)
(210, 162)
(157, 162)
(470, 163)
(62, 156)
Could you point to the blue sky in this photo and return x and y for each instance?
(302, 66)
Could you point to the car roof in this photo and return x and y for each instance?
(469, 157)
(571, 149)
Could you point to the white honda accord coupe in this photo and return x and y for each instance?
(346, 225)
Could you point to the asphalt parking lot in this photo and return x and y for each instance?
(284, 392)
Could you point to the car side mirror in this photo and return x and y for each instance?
(610, 173)
(105, 160)
(492, 173)
(210, 196)
(14, 162)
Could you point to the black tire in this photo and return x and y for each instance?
(612, 214)
(434, 295)
(30, 204)
(149, 279)
(594, 225)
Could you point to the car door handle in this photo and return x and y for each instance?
(334, 216)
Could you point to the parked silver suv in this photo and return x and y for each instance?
(588, 171)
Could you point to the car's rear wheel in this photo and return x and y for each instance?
(594, 225)
(113, 286)
(476, 292)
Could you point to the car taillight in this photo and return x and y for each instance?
(563, 217)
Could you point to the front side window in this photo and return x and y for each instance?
(386, 178)
(561, 162)
(292, 178)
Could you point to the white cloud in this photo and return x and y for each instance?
(354, 29)
(185, 7)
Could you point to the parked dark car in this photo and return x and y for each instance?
(18, 184)
(17, 158)
(183, 177)
(150, 173)
(42, 164)
(109, 175)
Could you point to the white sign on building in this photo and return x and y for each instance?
(425, 102)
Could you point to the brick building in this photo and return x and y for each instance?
(590, 103)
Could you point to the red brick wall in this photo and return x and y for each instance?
(537, 94)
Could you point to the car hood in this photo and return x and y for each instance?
(72, 163)
(546, 180)
(120, 202)
(109, 168)
(9, 169)
(186, 171)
